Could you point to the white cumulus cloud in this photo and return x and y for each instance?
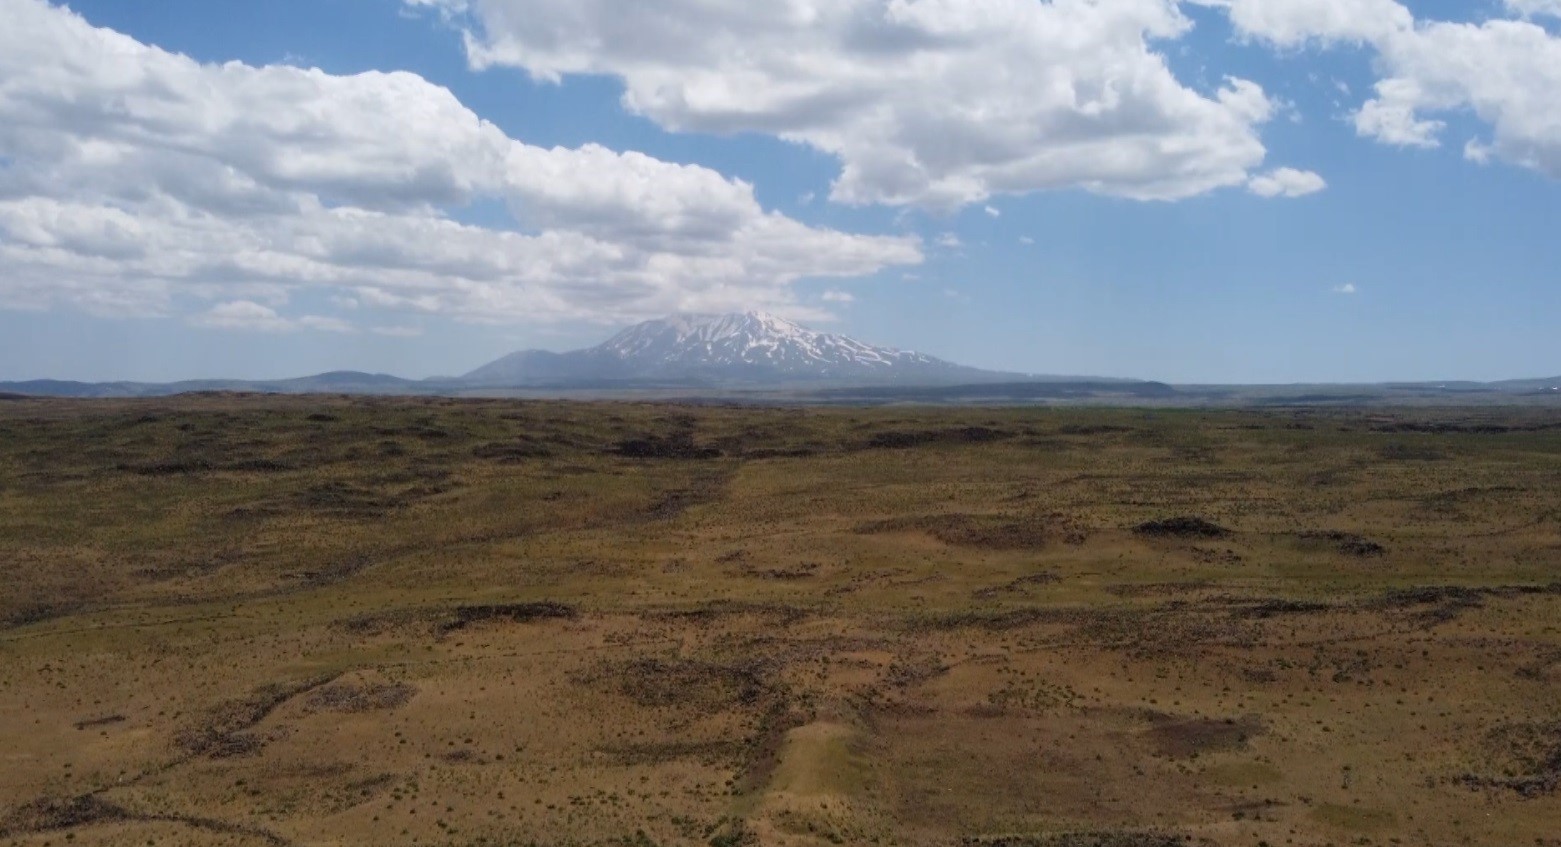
(935, 103)
(1286, 182)
(1291, 23)
(134, 180)
(1535, 8)
(1506, 72)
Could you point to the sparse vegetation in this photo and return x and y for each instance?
(297, 620)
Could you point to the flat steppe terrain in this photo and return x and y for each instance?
(257, 620)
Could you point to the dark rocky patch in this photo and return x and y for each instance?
(465, 616)
(439, 622)
(660, 684)
(256, 466)
(50, 814)
(1001, 620)
(1092, 429)
(1276, 607)
(1362, 547)
(801, 571)
(911, 670)
(169, 467)
(1185, 526)
(1541, 668)
(38, 613)
(1528, 756)
(782, 452)
(235, 745)
(1082, 839)
(959, 435)
(1348, 543)
(709, 753)
(107, 720)
(367, 697)
(717, 610)
(1429, 594)
(1017, 586)
(510, 452)
(678, 446)
(997, 532)
(1448, 602)
(1181, 738)
(221, 732)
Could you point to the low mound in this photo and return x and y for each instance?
(366, 697)
(465, 616)
(1182, 527)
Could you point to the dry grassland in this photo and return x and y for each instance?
(318, 621)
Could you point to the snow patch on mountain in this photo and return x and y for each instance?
(746, 346)
(754, 338)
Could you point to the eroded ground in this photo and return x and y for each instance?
(250, 620)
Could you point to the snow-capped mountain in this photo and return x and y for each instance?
(753, 346)
(754, 339)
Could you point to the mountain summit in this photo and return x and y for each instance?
(752, 346)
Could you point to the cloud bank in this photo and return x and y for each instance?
(933, 103)
(945, 103)
(1506, 72)
(137, 181)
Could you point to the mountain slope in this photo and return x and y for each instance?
(736, 347)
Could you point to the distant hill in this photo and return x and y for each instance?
(338, 382)
(1530, 385)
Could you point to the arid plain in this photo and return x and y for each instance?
(314, 621)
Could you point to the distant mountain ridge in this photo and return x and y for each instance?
(729, 348)
(758, 357)
(339, 382)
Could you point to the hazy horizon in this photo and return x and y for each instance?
(261, 376)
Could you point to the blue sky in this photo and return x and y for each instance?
(1406, 254)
